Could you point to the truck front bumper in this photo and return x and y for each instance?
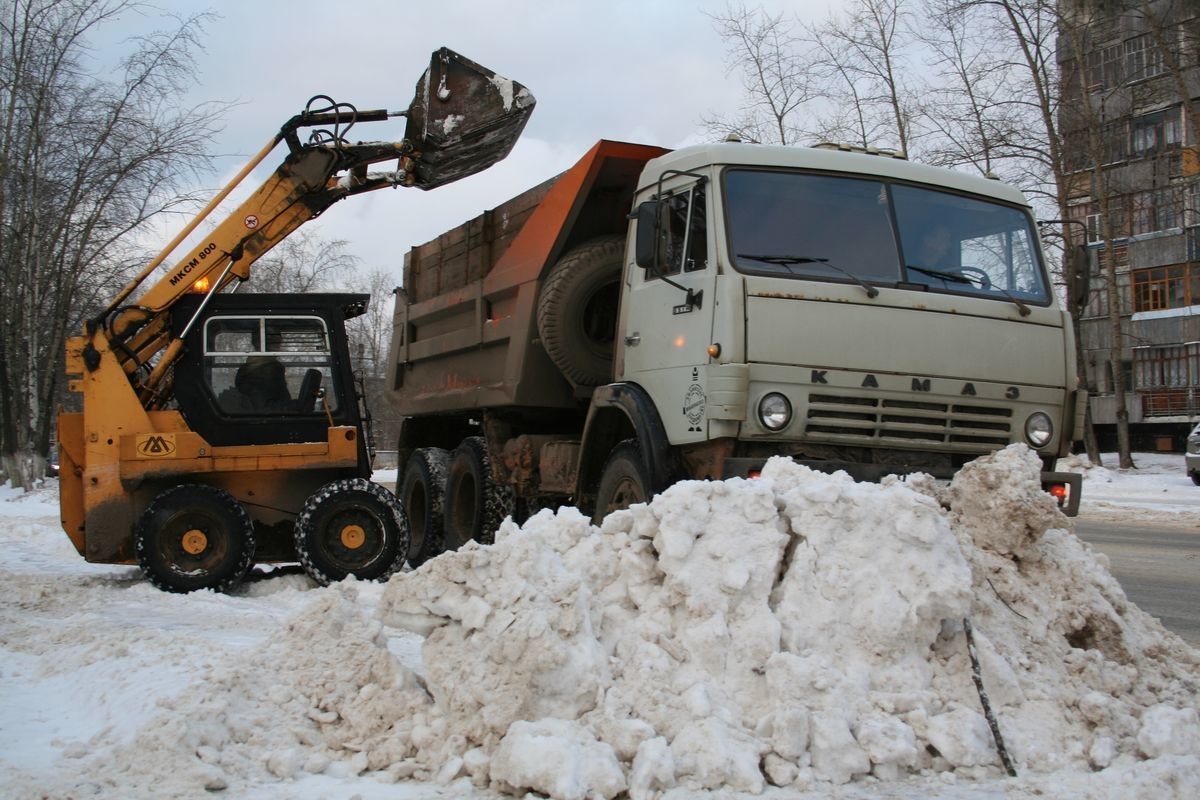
(1065, 487)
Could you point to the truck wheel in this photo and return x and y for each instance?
(1196, 478)
(623, 481)
(577, 310)
(422, 493)
(194, 537)
(475, 504)
(351, 527)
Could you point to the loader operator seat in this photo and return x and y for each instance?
(259, 385)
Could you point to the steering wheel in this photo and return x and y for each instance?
(985, 281)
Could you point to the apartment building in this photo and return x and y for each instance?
(1131, 103)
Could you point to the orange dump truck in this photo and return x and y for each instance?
(649, 316)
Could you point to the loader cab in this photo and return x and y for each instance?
(267, 368)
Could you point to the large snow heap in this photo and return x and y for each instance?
(791, 630)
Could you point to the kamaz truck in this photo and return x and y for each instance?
(649, 316)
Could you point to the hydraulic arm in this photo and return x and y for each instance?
(463, 119)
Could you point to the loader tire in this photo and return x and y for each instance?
(475, 504)
(351, 527)
(623, 481)
(193, 537)
(423, 495)
(577, 310)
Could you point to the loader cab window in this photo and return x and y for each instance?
(682, 232)
(269, 365)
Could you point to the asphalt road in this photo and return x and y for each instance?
(1157, 565)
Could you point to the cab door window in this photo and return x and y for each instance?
(682, 234)
(269, 365)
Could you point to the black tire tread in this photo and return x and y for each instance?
(554, 316)
(630, 450)
(147, 525)
(304, 524)
(497, 500)
(429, 465)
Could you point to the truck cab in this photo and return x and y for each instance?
(852, 311)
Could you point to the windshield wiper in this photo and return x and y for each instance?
(787, 261)
(957, 277)
(937, 273)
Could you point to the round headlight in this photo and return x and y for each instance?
(774, 411)
(1039, 430)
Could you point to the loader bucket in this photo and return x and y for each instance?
(463, 119)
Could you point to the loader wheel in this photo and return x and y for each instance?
(422, 493)
(577, 310)
(475, 504)
(623, 481)
(351, 527)
(194, 537)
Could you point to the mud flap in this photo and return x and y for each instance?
(463, 119)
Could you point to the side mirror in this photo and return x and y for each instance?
(646, 243)
(1081, 275)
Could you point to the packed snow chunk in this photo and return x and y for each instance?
(836, 756)
(712, 754)
(533, 654)
(962, 737)
(653, 769)
(559, 758)
(1169, 731)
(1000, 497)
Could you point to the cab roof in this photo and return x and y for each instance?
(698, 157)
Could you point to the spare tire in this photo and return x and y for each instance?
(577, 310)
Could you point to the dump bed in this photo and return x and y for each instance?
(465, 330)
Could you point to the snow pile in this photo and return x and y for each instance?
(796, 630)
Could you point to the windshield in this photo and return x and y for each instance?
(871, 231)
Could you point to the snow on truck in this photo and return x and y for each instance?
(850, 310)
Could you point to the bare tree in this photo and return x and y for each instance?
(303, 262)
(864, 58)
(765, 50)
(370, 335)
(88, 154)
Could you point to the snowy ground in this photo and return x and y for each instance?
(109, 688)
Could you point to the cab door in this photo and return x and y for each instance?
(667, 313)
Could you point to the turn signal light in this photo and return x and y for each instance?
(1058, 491)
(201, 285)
(714, 350)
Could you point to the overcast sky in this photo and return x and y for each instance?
(641, 71)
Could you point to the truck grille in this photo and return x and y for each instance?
(877, 420)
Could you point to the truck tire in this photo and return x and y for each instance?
(193, 537)
(623, 481)
(423, 494)
(351, 527)
(475, 504)
(577, 310)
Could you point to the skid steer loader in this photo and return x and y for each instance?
(219, 429)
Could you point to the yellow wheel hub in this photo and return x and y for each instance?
(353, 536)
(195, 542)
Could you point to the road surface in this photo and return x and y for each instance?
(1158, 566)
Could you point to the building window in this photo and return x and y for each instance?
(1159, 288)
(1156, 210)
(1143, 58)
(1102, 67)
(1157, 132)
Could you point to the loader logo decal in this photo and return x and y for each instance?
(156, 445)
